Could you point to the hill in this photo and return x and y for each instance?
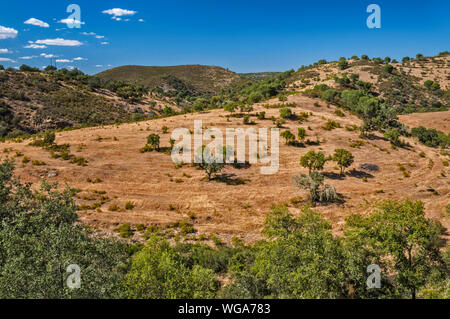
(331, 101)
(32, 101)
(196, 79)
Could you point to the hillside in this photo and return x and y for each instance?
(196, 79)
(164, 194)
(413, 85)
(392, 159)
(32, 101)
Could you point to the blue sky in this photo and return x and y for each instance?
(244, 36)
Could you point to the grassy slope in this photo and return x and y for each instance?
(202, 79)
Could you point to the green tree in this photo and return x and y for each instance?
(409, 241)
(302, 259)
(153, 141)
(40, 236)
(158, 271)
(288, 136)
(313, 161)
(285, 112)
(343, 64)
(301, 133)
(393, 135)
(343, 158)
(209, 162)
(388, 68)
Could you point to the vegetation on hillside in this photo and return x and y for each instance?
(299, 257)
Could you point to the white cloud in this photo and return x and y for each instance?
(8, 33)
(71, 21)
(28, 57)
(79, 59)
(35, 46)
(93, 34)
(141, 20)
(48, 56)
(60, 42)
(99, 66)
(6, 60)
(36, 22)
(104, 43)
(117, 12)
(4, 51)
(64, 61)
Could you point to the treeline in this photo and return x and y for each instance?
(300, 257)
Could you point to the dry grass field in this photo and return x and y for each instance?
(162, 193)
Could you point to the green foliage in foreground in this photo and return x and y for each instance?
(39, 240)
(300, 257)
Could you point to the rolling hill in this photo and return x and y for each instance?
(198, 79)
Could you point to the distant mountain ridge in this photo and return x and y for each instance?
(199, 79)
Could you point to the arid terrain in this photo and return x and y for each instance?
(163, 194)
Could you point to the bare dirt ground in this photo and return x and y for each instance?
(437, 120)
(163, 194)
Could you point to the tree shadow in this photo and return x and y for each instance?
(359, 174)
(238, 165)
(369, 167)
(296, 144)
(230, 179)
(332, 175)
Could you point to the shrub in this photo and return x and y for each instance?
(301, 133)
(343, 64)
(113, 208)
(186, 228)
(285, 112)
(288, 136)
(246, 119)
(153, 142)
(431, 137)
(125, 231)
(129, 206)
(331, 125)
(388, 68)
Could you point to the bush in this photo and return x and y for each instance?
(301, 133)
(288, 136)
(125, 231)
(129, 206)
(285, 112)
(331, 125)
(343, 64)
(431, 137)
(186, 228)
(388, 68)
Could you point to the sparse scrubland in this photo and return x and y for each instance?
(363, 180)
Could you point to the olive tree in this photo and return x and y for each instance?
(343, 158)
(313, 161)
